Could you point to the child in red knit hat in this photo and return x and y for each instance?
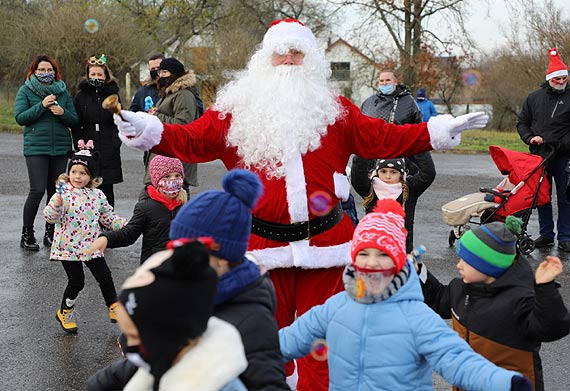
(380, 335)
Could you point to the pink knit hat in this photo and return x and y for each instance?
(382, 229)
(160, 166)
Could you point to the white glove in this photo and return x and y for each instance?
(445, 130)
(139, 130)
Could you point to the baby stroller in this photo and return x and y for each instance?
(522, 190)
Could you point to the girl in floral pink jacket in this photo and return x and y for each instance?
(77, 208)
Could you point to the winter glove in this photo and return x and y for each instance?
(445, 130)
(520, 383)
(139, 130)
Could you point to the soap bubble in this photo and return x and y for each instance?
(91, 25)
(320, 203)
(319, 350)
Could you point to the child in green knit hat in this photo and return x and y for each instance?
(498, 305)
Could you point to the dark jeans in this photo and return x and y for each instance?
(558, 177)
(43, 171)
(107, 189)
(76, 279)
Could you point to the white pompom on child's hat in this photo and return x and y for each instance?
(288, 31)
(556, 67)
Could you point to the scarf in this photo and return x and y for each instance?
(237, 278)
(169, 203)
(349, 279)
(384, 190)
(42, 90)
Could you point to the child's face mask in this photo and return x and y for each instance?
(170, 186)
(371, 283)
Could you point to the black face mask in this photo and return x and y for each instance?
(154, 74)
(164, 82)
(96, 82)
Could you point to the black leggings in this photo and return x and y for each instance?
(43, 171)
(76, 279)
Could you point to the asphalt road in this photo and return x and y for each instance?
(36, 354)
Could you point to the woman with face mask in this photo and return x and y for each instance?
(45, 109)
(96, 123)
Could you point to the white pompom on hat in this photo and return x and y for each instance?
(556, 67)
(288, 31)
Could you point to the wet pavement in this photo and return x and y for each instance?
(36, 354)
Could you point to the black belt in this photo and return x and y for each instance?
(297, 231)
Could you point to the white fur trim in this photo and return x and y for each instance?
(218, 358)
(301, 254)
(288, 32)
(296, 188)
(341, 186)
(560, 72)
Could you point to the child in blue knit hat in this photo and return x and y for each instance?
(245, 297)
(497, 305)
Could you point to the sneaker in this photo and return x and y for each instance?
(543, 241)
(564, 246)
(113, 312)
(65, 318)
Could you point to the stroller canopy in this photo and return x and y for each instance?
(521, 166)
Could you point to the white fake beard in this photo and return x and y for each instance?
(277, 111)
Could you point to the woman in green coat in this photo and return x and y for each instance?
(45, 109)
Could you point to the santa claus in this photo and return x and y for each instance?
(283, 119)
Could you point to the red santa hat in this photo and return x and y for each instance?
(556, 67)
(382, 229)
(288, 31)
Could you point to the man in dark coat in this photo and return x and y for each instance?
(544, 118)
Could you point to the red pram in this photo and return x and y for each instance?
(518, 194)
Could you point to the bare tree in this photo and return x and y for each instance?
(406, 23)
(520, 66)
(57, 28)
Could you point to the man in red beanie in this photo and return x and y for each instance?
(545, 117)
(283, 119)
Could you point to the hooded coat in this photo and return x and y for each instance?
(96, 123)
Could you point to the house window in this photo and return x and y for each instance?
(340, 71)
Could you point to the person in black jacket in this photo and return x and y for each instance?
(154, 211)
(545, 118)
(414, 175)
(245, 296)
(96, 123)
(498, 306)
(394, 103)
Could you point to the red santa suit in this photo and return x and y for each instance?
(305, 272)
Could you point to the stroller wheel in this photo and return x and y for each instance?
(452, 238)
(525, 244)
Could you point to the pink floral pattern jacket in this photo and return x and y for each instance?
(77, 222)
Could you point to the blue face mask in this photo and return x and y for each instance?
(386, 89)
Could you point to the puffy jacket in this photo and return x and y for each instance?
(96, 123)
(402, 101)
(44, 132)
(505, 321)
(390, 345)
(150, 219)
